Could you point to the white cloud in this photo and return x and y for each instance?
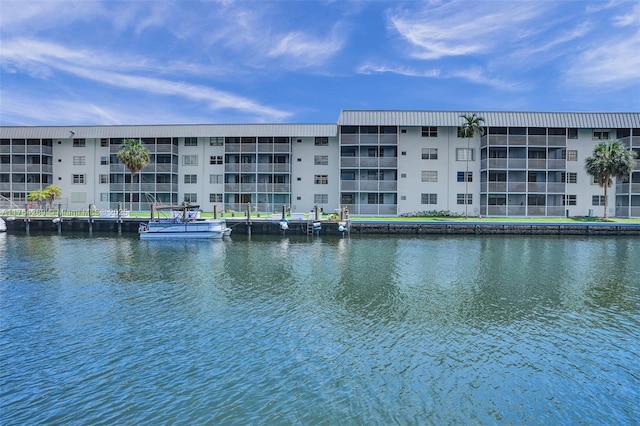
(41, 59)
(304, 50)
(463, 28)
(372, 68)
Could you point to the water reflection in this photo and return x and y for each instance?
(336, 330)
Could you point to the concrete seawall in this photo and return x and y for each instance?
(299, 227)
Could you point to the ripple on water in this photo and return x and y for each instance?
(348, 331)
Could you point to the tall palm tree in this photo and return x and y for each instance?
(609, 160)
(471, 126)
(135, 157)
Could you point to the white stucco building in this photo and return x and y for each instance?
(373, 162)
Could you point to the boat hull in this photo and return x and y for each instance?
(3, 225)
(166, 230)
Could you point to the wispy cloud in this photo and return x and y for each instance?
(461, 28)
(610, 58)
(42, 59)
(304, 50)
(373, 68)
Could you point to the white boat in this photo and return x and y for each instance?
(3, 225)
(184, 222)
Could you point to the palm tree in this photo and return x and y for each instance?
(38, 196)
(51, 193)
(135, 157)
(609, 160)
(472, 125)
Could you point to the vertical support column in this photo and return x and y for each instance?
(248, 218)
(59, 223)
(27, 220)
(119, 218)
(90, 218)
(215, 211)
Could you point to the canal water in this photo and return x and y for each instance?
(298, 330)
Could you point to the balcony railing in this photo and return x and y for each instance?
(537, 163)
(516, 140)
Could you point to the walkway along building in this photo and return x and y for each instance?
(372, 162)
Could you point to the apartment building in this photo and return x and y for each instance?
(372, 162)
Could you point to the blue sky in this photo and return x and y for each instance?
(170, 62)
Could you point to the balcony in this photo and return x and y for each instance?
(517, 210)
(556, 187)
(517, 186)
(274, 187)
(388, 185)
(348, 161)
(388, 139)
(557, 164)
(281, 147)
(557, 141)
(517, 140)
(626, 188)
(391, 162)
(497, 140)
(537, 187)
(497, 163)
(539, 140)
(517, 163)
(536, 210)
(537, 163)
(349, 185)
(496, 210)
(349, 139)
(497, 186)
(232, 147)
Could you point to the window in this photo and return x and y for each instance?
(465, 154)
(572, 155)
(190, 178)
(320, 198)
(78, 179)
(104, 142)
(78, 143)
(215, 179)
(104, 160)
(104, 178)
(429, 132)
(597, 200)
(570, 177)
(461, 176)
(429, 153)
(189, 160)
(429, 176)
(104, 196)
(78, 197)
(572, 133)
(321, 160)
(373, 198)
(78, 160)
(190, 198)
(321, 179)
(190, 141)
(322, 141)
(215, 159)
(215, 198)
(216, 141)
(600, 135)
(569, 200)
(429, 198)
(403, 153)
(461, 197)
(403, 175)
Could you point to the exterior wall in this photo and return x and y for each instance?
(380, 169)
(304, 170)
(411, 165)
